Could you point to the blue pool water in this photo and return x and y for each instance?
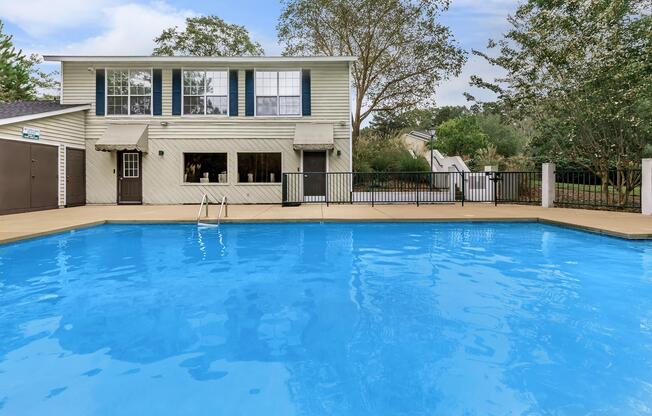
(326, 319)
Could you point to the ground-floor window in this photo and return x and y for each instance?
(204, 167)
(259, 167)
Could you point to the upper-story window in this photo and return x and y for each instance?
(278, 93)
(129, 92)
(205, 92)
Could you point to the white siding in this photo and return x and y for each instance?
(62, 129)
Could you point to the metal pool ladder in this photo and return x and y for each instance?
(224, 207)
(204, 199)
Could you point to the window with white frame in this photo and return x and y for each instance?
(130, 165)
(128, 92)
(205, 92)
(278, 93)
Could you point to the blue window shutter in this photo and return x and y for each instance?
(305, 92)
(99, 92)
(233, 93)
(157, 91)
(176, 92)
(249, 92)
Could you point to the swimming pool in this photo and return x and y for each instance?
(326, 319)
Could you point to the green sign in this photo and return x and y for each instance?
(31, 133)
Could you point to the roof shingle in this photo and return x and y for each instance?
(25, 108)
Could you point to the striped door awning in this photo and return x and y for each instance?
(123, 137)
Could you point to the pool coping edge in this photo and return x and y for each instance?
(594, 230)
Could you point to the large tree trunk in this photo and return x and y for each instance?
(356, 117)
(355, 127)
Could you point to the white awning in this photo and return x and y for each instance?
(123, 137)
(313, 136)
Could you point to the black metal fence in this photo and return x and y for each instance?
(518, 187)
(411, 187)
(617, 189)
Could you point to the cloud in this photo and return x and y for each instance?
(118, 27)
(130, 29)
(41, 17)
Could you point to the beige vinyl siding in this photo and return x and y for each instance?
(65, 129)
(101, 179)
(241, 93)
(329, 90)
(162, 175)
(166, 96)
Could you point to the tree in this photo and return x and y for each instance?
(15, 81)
(460, 137)
(448, 112)
(20, 77)
(374, 153)
(207, 36)
(504, 138)
(403, 53)
(393, 123)
(582, 72)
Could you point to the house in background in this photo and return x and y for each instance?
(417, 143)
(42, 152)
(166, 130)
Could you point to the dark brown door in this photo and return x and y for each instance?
(15, 166)
(29, 178)
(314, 183)
(75, 177)
(130, 178)
(45, 177)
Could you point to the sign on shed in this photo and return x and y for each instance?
(31, 133)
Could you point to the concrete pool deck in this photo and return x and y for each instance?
(16, 227)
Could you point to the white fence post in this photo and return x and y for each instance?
(646, 187)
(548, 185)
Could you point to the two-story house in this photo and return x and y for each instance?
(166, 130)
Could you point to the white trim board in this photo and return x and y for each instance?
(225, 59)
(19, 119)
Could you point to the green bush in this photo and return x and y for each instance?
(372, 153)
(407, 163)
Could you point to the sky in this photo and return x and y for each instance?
(128, 27)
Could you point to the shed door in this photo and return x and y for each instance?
(75, 177)
(44, 180)
(14, 176)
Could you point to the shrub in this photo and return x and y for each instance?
(380, 154)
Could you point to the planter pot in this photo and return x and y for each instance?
(250, 177)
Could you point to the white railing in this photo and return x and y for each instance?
(222, 207)
(204, 199)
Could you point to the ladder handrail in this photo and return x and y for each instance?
(226, 212)
(204, 198)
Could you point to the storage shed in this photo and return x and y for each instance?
(42, 156)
